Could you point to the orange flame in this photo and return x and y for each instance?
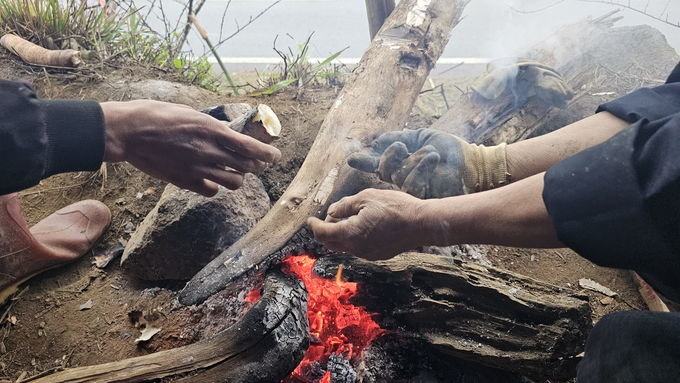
(339, 326)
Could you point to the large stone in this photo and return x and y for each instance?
(185, 230)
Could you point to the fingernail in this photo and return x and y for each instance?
(277, 156)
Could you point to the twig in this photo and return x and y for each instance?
(60, 187)
(452, 68)
(240, 28)
(204, 34)
(608, 2)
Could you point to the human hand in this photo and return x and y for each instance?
(380, 224)
(431, 164)
(181, 145)
(527, 78)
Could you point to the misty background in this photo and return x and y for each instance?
(489, 28)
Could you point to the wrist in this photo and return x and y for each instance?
(116, 120)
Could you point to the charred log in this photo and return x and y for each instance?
(476, 313)
(376, 99)
(265, 345)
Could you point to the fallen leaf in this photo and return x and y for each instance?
(607, 301)
(12, 320)
(149, 191)
(102, 258)
(147, 333)
(86, 306)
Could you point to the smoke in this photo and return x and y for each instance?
(499, 28)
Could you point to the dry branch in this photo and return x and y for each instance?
(377, 98)
(37, 55)
(265, 345)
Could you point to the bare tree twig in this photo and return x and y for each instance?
(664, 9)
(240, 28)
(609, 2)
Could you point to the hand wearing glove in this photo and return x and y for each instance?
(431, 164)
(528, 77)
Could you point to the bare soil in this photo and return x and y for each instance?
(50, 329)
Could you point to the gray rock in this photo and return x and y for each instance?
(185, 230)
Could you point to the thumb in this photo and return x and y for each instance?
(345, 208)
(363, 162)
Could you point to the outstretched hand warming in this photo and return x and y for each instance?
(181, 145)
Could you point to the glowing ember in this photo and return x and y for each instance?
(336, 325)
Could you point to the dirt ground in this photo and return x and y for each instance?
(45, 327)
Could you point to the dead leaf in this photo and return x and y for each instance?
(103, 257)
(147, 333)
(607, 301)
(149, 191)
(86, 306)
(12, 320)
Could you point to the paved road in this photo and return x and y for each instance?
(490, 28)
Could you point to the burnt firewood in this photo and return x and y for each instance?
(265, 345)
(476, 313)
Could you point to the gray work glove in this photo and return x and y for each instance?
(527, 77)
(431, 164)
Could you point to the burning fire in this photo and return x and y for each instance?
(336, 326)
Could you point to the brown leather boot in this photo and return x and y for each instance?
(60, 238)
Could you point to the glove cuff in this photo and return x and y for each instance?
(485, 167)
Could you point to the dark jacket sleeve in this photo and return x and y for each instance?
(618, 203)
(39, 138)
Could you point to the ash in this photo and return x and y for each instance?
(340, 369)
(400, 359)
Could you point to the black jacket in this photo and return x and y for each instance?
(39, 138)
(618, 203)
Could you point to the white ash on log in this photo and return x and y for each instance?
(377, 98)
(264, 346)
(476, 313)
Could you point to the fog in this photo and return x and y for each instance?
(489, 28)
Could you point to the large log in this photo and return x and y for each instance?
(477, 313)
(377, 98)
(264, 346)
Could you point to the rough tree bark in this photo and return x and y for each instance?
(264, 346)
(377, 98)
(477, 313)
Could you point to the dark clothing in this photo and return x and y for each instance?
(618, 205)
(39, 138)
(633, 346)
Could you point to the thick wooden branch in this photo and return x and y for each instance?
(377, 98)
(37, 55)
(264, 346)
(477, 313)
